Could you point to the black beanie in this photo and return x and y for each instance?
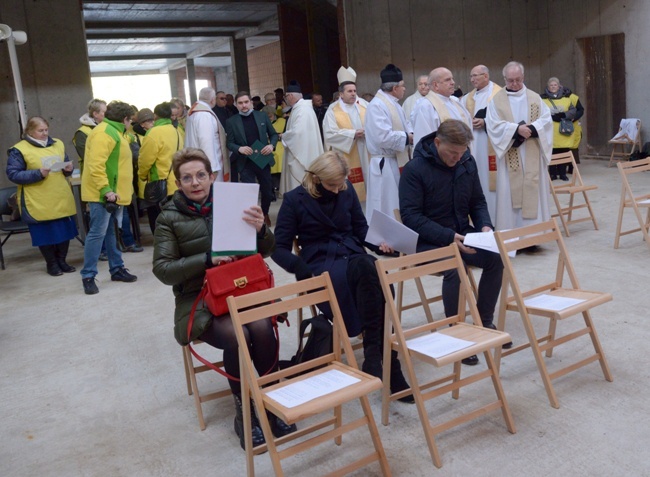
(391, 74)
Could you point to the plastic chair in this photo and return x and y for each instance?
(475, 338)
(570, 300)
(329, 368)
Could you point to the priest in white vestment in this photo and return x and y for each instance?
(422, 90)
(302, 140)
(476, 102)
(204, 131)
(343, 129)
(520, 128)
(437, 106)
(388, 133)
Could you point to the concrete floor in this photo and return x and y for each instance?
(94, 385)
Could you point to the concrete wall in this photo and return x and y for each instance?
(265, 69)
(419, 35)
(54, 69)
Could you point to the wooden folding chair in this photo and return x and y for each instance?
(257, 306)
(576, 302)
(629, 200)
(191, 370)
(628, 135)
(476, 339)
(572, 188)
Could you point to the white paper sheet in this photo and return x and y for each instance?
(551, 302)
(230, 234)
(57, 166)
(383, 228)
(437, 345)
(311, 388)
(484, 241)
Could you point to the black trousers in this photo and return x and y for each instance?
(251, 174)
(488, 288)
(261, 344)
(368, 298)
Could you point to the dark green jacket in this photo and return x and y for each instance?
(181, 241)
(236, 136)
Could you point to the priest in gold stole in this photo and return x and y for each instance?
(343, 129)
(520, 128)
(476, 102)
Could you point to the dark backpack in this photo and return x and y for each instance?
(319, 341)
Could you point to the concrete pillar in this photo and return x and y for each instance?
(173, 84)
(191, 80)
(239, 65)
(224, 79)
(53, 67)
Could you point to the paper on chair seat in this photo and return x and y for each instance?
(437, 345)
(551, 302)
(303, 391)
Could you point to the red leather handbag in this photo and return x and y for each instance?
(241, 277)
(245, 275)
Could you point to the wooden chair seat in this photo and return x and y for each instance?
(513, 298)
(366, 385)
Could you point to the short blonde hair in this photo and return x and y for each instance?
(330, 166)
(33, 123)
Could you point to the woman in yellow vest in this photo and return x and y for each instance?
(158, 148)
(39, 165)
(564, 105)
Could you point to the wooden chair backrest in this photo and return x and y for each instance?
(566, 158)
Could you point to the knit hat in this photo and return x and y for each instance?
(391, 74)
(144, 115)
(294, 87)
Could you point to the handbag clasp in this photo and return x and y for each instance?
(240, 282)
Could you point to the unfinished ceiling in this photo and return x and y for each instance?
(155, 37)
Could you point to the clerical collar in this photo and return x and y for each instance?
(345, 105)
(483, 89)
(390, 96)
(443, 97)
(521, 92)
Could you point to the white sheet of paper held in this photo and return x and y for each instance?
(437, 345)
(484, 241)
(229, 231)
(303, 391)
(57, 166)
(384, 228)
(551, 302)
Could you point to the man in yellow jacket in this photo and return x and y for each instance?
(107, 186)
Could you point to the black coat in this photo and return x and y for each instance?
(327, 243)
(437, 201)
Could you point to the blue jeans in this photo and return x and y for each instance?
(127, 236)
(102, 226)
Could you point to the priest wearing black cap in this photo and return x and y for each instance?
(302, 139)
(388, 133)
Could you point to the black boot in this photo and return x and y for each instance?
(258, 435)
(372, 359)
(278, 426)
(61, 252)
(49, 253)
(397, 381)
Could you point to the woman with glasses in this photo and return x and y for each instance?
(325, 216)
(182, 253)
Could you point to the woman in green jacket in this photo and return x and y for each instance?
(182, 253)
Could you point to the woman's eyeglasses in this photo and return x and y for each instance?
(200, 177)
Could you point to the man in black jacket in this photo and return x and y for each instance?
(439, 191)
(252, 139)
